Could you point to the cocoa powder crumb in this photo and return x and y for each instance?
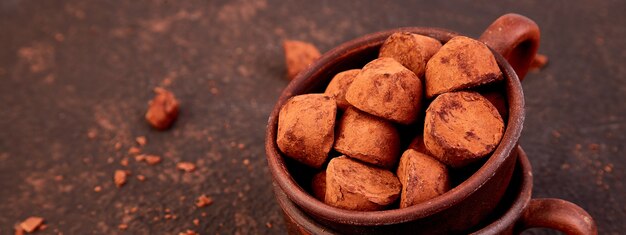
(594, 147)
(268, 225)
(140, 157)
(123, 227)
(152, 159)
(31, 224)
(119, 178)
(196, 222)
(141, 178)
(92, 133)
(117, 146)
(162, 110)
(141, 140)
(186, 166)
(134, 150)
(203, 201)
(124, 162)
(246, 162)
(188, 232)
(97, 189)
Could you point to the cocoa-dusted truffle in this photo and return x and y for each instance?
(338, 87)
(353, 185)
(387, 89)
(461, 127)
(459, 64)
(412, 50)
(306, 128)
(298, 56)
(422, 178)
(367, 138)
(318, 185)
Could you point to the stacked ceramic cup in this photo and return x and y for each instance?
(495, 198)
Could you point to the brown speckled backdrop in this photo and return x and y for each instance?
(70, 68)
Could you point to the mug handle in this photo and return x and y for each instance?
(556, 214)
(516, 38)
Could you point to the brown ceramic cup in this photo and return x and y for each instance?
(516, 213)
(459, 209)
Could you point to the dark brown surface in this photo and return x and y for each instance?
(68, 68)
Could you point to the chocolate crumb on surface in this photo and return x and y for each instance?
(186, 166)
(119, 178)
(31, 224)
(141, 140)
(162, 110)
(203, 201)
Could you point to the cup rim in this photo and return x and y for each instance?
(308, 203)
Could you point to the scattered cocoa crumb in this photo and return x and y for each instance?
(246, 162)
(565, 166)
(97, 189)
(167, 210)
(167, 216)
(122, 226)
(92, 133)
(608, 168)
(120, 177)
(196, 222)
(203, 201)
(594, 147)
(124, 161)
(134, 209)
(134, 150)
(58, 177)
(43, 227)
(188, 232)
(203, 214)
(110, 160)
(268, 225)
(241, 146)
(59, 37)
(141, 178)
(117, 146)
(186, 166)
(141, 140)
(539, 62)
(31, 224)
(140, 157)
(153, 159)
(162, 110)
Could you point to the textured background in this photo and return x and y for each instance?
(77, 67)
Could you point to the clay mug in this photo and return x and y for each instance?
(515, 213)
(459, 209)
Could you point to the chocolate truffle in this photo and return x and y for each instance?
(461, 127)
(306, 128)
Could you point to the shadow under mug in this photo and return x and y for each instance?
(516, 213)
(467, 204)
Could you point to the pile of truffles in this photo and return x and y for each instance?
(356, 123)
